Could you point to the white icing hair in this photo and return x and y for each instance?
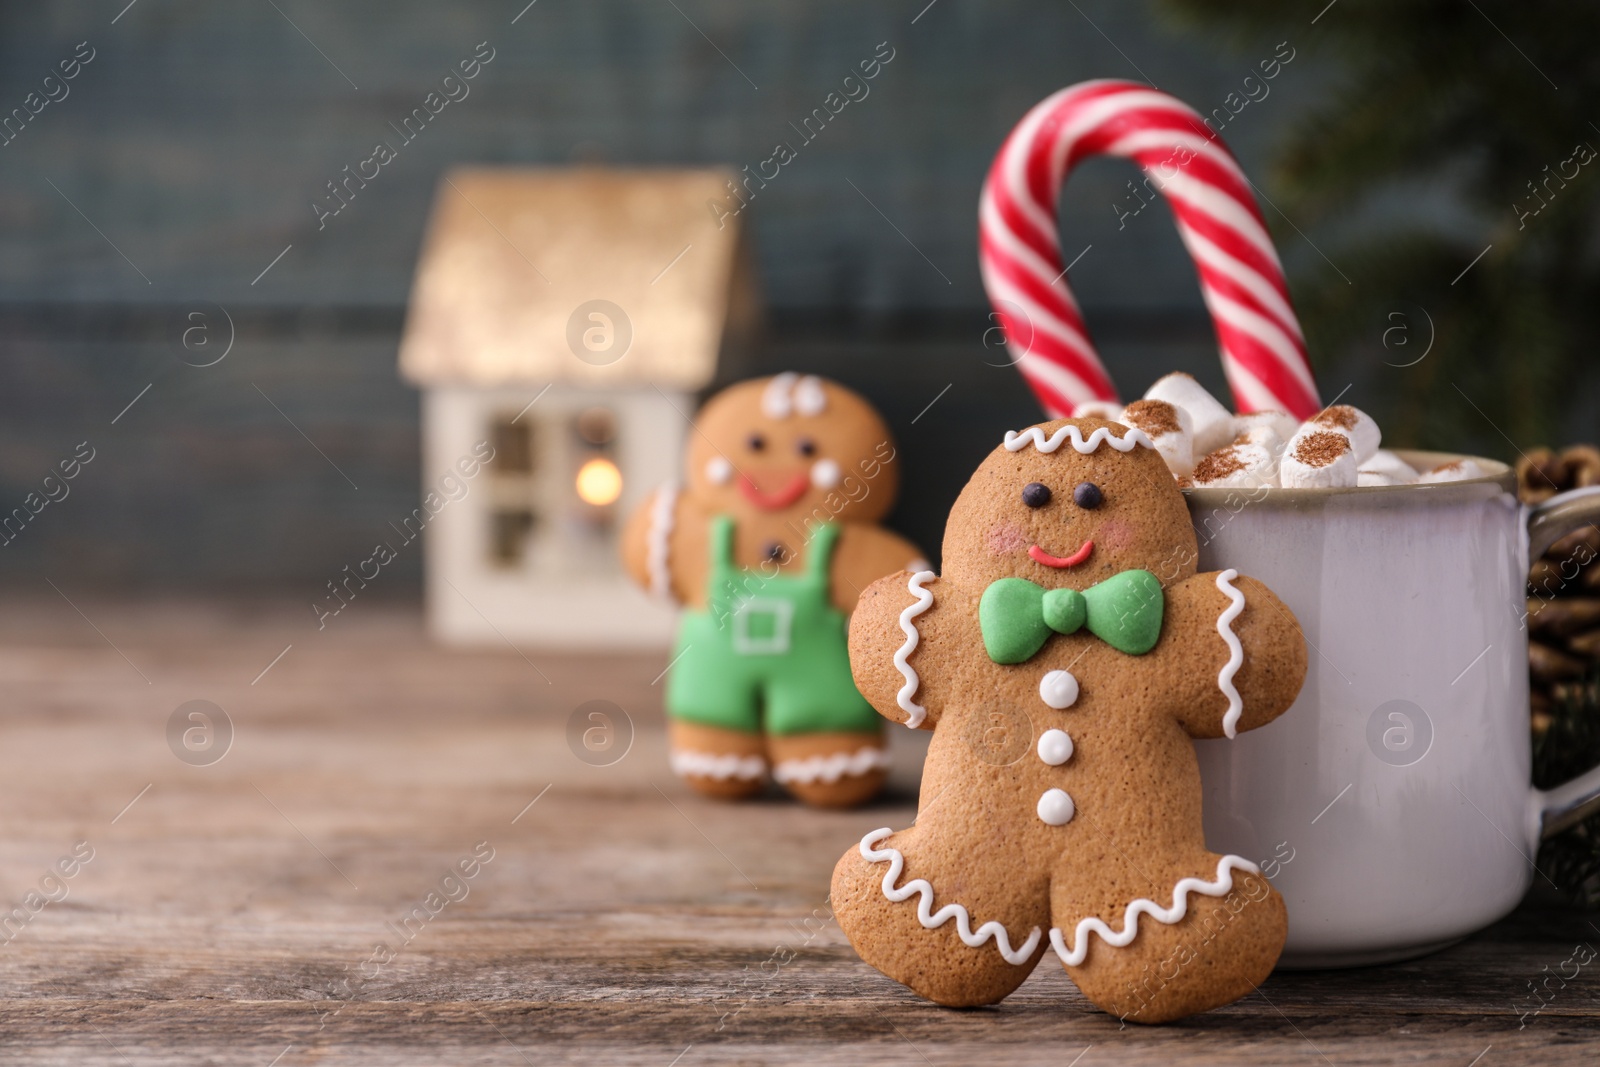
(1126, 443)
(789, 393)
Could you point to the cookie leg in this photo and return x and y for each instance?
(916, 912)
(830, 770)
(717, 762)
(1225, 943)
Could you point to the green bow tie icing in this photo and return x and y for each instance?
(1017, 616)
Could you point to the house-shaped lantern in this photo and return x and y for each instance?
(562, 321)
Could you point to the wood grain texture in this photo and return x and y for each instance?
(225, 916)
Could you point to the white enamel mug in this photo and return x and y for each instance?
(1391, 804)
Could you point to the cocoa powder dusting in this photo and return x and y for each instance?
(1154, 417)
(1218, 465)
(1321, 449)
(1341, 415)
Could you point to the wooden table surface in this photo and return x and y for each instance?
(230, 912)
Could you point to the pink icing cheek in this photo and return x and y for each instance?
(1005, 539)
(1115, 534)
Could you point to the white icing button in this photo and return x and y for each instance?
(825, 474)
(718, 470)
(1059, 689)
(1055, 747)
(1056, 808)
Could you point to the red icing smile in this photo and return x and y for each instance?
(779, 498)
(1039, 555)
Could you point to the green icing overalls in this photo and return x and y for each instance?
(774, 645)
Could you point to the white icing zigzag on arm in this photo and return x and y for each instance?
(931, 919)
(915, 712)
(1130, 918)
(1126, 443)
(1230, 720)
(656, 553)
(830, 769)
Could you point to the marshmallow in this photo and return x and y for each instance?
(1266, 437)
(1318, 459)
(1285, 426)
(1459, 471)
(1378, 478)
(1353, 423)
(1211, 423)
(1385, 462)
(1242, 464)
(1098, 409)
(1169, 428)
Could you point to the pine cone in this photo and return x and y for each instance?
(1541, 473)
(1563, 586)
(1564, 662)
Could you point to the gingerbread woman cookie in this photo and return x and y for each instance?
(1064, 660)
(767, 548)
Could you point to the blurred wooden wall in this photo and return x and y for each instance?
(186, 155)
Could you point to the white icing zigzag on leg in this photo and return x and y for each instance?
(689, 764)
(1130, 918)
(831, 768)
(931, 919)
(915, 712)
(1230, 720)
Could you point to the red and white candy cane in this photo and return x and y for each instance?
(1263, 351)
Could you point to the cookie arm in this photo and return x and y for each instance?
(864, 554)
(634, 544)
(895, 620)
(662, 546)
(1232, 653)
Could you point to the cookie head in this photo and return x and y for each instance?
(1065, 506)
(792, 446)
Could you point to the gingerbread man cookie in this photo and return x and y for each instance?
(767, 547)
(1064, 660)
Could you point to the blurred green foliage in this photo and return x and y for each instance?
(1444, 128)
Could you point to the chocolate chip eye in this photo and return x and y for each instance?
(1088, 496)
(1036, 494)
(756, 442)
(806, 446)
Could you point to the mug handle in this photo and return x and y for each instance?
(1566, 805)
